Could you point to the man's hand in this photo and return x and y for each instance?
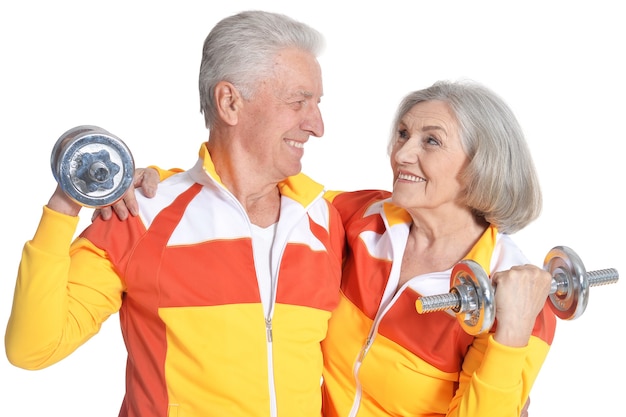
(145, 178)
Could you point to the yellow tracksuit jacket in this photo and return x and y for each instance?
(182, 276)
(382, 358)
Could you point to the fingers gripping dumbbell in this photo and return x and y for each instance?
(472, 296)
(92, 166)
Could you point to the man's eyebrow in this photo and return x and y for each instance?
(302, 93)
(299, 95)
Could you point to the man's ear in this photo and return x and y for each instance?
(229, 102)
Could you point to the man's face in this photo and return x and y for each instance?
(281, 115)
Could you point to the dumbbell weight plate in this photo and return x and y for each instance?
(568, 270)
(92, 166)
(478, 306)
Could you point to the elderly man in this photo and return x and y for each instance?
(226, 279)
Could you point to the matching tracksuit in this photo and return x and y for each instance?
(182, 276)
(382, 358)
(200, 343)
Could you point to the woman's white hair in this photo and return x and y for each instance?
(501, 181)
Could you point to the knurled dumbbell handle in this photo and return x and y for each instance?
(452, 300)
(594, 279)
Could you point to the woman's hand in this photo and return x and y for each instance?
(520, 295)
(145, 178)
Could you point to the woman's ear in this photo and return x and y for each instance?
(229, 102)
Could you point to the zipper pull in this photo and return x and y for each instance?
(365, 348)
(268, 329)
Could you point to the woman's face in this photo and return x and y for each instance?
(427, 158)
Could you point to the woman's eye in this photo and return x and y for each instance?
(403, 135)
(432, 141)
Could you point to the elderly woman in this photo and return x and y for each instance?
(463, 181)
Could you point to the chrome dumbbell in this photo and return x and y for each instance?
(93, 167)
(472, 296)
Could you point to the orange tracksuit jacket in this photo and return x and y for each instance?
(382, 358)
(182, 276)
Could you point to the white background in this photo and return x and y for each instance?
(131, 67)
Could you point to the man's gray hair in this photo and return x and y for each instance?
(241, 48)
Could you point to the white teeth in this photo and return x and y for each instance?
(408, 177)
(295, 144)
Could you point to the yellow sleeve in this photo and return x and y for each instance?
(494, 376)
(63, 294)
